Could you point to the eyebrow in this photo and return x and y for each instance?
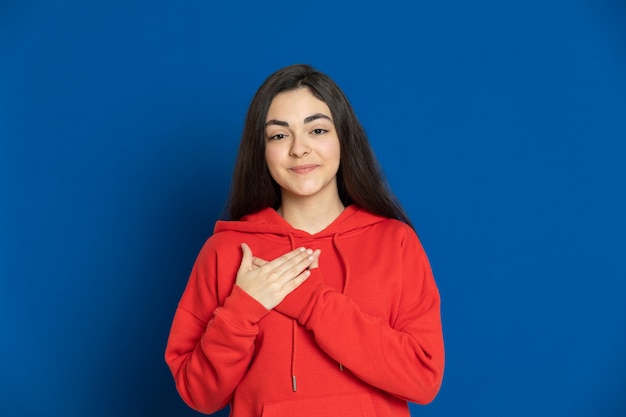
(316, 116)
(307, 119)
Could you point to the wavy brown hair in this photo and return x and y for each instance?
(359, 179)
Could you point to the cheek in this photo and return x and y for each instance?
(334, 153)
(271, 158)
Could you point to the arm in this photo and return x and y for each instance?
(211, 341)
(404, 358)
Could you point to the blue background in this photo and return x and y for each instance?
(500, 125)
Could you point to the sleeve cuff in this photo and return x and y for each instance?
(242, 310)
(298, 300)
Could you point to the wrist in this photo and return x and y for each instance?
(241, 309)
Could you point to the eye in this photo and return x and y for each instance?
(277, 136)
(319, 131)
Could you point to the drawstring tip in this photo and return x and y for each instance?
(341, 367)
(293, 382)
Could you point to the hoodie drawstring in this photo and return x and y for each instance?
(294, 329)
(294, 326)
(346, 268)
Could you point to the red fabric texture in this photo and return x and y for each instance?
(361, 336)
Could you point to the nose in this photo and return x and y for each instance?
(299, 147)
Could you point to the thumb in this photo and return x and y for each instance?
(246, 260)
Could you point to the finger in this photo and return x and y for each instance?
(296, 281)
(297, 254)
(289, 255)
(291, 266)
(316, 259)
(258, 261)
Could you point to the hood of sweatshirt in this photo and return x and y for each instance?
(352, 221)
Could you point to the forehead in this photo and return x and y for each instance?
(296, 105)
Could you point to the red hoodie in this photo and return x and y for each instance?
(360, 337)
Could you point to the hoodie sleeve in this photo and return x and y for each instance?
(211, 341)
(404, 358)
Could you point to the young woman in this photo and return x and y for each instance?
(317, 298)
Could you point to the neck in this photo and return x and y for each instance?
(310, 216)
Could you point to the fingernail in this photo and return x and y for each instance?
(309, 251)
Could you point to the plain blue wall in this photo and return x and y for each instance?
(500, 125)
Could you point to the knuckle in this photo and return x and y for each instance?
(295, 270)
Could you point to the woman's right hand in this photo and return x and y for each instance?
(270, 283)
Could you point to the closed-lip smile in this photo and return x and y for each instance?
(303, 169)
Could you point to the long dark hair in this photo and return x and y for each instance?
(359, 178)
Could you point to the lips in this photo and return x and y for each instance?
(303, 169)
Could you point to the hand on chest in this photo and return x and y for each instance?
(358, 268)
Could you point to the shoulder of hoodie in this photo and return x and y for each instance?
(398, 229)
(393, 229)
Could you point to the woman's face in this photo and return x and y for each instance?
(302, 146)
